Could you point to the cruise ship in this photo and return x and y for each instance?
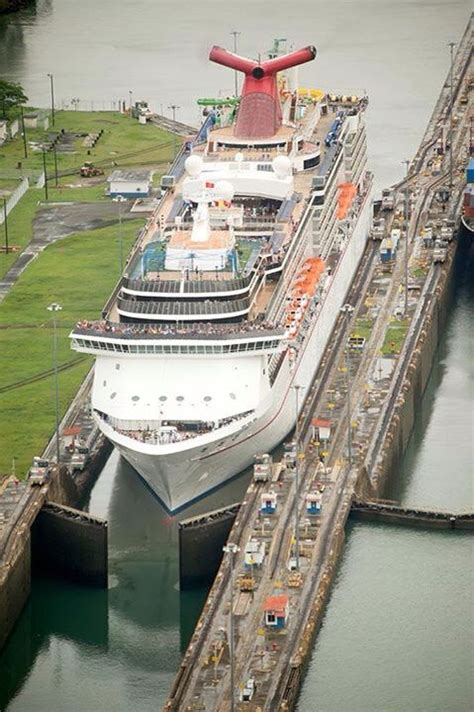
(231, 294)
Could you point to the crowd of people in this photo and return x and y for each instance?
(195, 329)
(171, 432)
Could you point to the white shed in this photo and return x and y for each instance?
(130, 184)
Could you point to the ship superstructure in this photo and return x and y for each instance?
(232, 296)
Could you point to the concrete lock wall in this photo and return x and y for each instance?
(67, 543)
(417, 375)
(15, 586)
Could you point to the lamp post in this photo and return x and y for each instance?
(451, 46)
(232, 550)
(296, 502)
(174, 108)
(45, 174)
(55, 165)
(406, 162)
(23, 131)
(120, 199)
(51, 80)
(348, 310)
(55, 308)
(236, 76)
(5, 222)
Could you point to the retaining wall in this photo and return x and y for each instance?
(417, 375)
(15, 586)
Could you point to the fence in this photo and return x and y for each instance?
(14, 198)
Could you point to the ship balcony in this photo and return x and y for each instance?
(187, 288)
(177, 310)
(169, 436)
(197, 340)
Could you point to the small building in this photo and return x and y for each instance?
(313, 503)
(36, 120)
(268, 503)
(130, 184)
(254, 553)
(276, 610)
(321, 429)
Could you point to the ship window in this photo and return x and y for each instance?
(112, 395)
(207, 399)
(135, 398)
(232, 395)
(162, 398)
(117, 367)
(180, 398)
(104, 383)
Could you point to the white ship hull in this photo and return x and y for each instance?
(186, 474)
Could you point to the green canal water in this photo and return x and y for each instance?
(398, 632)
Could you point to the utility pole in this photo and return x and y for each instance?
(120, 199)
(451, 46)
(297, 477)
(55, 165)
(406, 162)
(51, 79)
(232, 550)
(348, 310)
(5, 222)
(23, 131)
(236, 76)
(54, 308)
(45, 174)
(174, 108)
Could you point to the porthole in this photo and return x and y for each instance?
(135, 398)
(207, 399)
(162, 398)
(104, 383)
(233, 396)
(112, 395)
(117, 367)
(180, 398)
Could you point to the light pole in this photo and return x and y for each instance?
(54, 308)
(297, 389)
(130, 94)
(348, 310)
(23, 132)
(5, 222)
(45, 174)
(120, 199)
(174, 108)
(236, 76)
(55, 165)
(406, 162)
(451, 46)
(232, 550)
(51, 80)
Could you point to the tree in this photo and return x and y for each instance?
(11, 95)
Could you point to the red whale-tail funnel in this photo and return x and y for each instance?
(259, 113)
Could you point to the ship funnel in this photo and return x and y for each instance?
(259, 113)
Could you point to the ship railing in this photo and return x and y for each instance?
(201, 331)
(167, 432)
(179, 308)
(187, 286)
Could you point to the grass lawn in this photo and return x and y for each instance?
(79, 272)
(124, 142)
(20, 219)
(362, 328)
(395, 336)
